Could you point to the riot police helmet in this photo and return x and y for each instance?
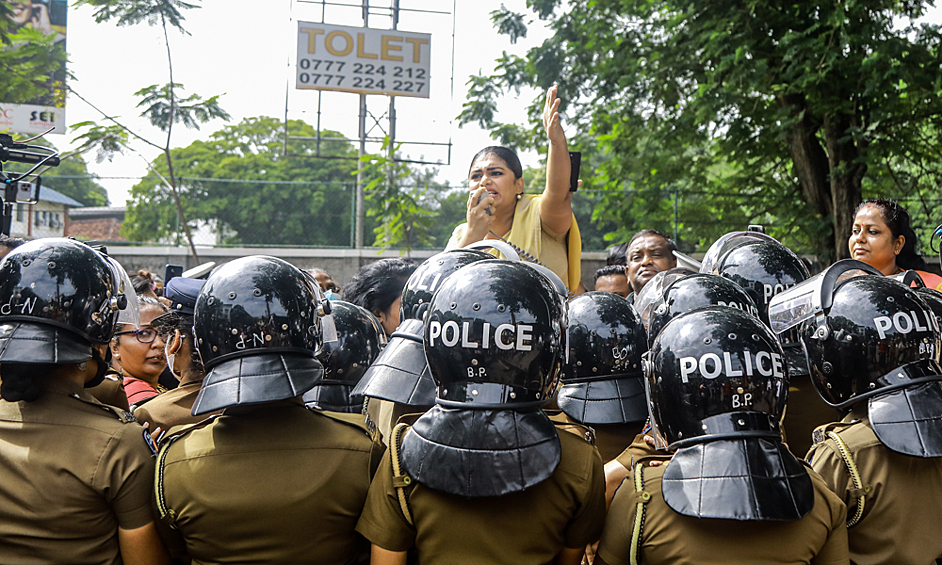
(495, 352)
(602, 381)
(717, 386)
(870, 338)
(360, 338)
(257, 324)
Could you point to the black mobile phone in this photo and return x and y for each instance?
(171, 271)
(486, 210)
(575, 159)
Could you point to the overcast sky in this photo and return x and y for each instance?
(244, 51)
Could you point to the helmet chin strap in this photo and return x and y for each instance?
(103, 364)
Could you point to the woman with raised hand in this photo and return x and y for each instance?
(541, 226)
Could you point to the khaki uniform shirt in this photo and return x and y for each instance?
(274, 483)
(820, 538)
(72, 470)
(111, 392)
(172, 408)
(610, 439)
(527, 527)
(903, 508)
(805, 412)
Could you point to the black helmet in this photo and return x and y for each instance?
(257, 327)
(727, 243)
(495, 352)
(425, 280)
(602, 382)
(652, 295)
(764, 269)
(695, 291)
(717, 387)
(933, 299)
(58, 297)
(493, 338)
(360, 338)
(869, 337)
(400, 373)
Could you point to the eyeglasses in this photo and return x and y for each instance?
(143, 335)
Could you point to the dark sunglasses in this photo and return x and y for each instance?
(143, 335)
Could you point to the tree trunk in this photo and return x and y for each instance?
(846, 179)
(811, 166)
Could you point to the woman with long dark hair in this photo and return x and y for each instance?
(883, 237)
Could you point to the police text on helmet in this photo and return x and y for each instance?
(503, 336)
(711, 366)
(904, 322)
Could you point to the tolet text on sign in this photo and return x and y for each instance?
(363, 60)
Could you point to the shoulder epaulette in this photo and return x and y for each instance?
(820, 434)
(580, 430)
(178, 431)
(859, 490)
(123, 415)
(362, 422)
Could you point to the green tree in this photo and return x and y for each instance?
(161, 103)
(784, 114)
(242, 181)
(31, 64)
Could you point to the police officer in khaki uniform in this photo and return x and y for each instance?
(873, 347)
(732, 492)
(174, 407)
(398, 382)
(483, 477)
(360, 338)
(602, 382)
(268, 481)
(75, 475)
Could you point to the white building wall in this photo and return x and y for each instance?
(48, 220)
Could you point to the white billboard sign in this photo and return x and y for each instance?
(363, 60)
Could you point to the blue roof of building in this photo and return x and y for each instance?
(47, 194)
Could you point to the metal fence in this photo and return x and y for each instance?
(274, 213)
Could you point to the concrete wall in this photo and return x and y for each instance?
(341, 263)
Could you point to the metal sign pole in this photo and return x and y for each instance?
(361, 207)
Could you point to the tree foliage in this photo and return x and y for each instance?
(242, 183)
(756, 112)
(30, 64)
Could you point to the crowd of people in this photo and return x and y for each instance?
(479, 407)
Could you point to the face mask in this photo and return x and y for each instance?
(103, 365)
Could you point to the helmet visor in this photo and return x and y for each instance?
(812, 297)
(660, 443)
(652, 295)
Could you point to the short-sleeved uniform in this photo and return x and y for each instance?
(172, 408)
(273, 483)
(527, 527)
(820, 538)
(610, 439)
(903, 507)
(72, 471)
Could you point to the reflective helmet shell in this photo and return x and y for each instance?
(933, 299)
(606, 338)
(256, 304)
(63, 283)
(491, 338)
(715, 371)
(696, 291)
(359, 340)
(874, 325)
(763, 269)
(425, 280)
